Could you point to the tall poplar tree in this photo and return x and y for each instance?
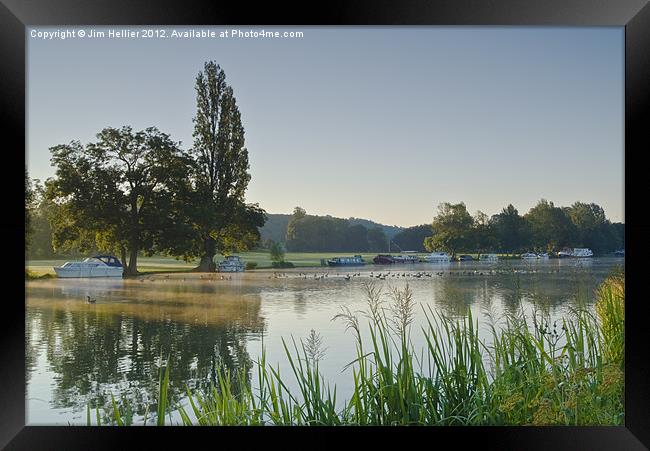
(221, 219)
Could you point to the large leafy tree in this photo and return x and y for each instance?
(220, 218)
(452, 229)
(116, 193)
(293, 240)
(593, 228)
(551, 227)
(511, 230)
(485, 238)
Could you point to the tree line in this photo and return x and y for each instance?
(306, 233)
(132, 192)
(545, 228)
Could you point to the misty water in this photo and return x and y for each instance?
(78, 354)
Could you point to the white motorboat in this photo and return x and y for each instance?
(438, 257)
(406, 258)
(346, 261)
(576, 252)
(529, 256)
(488, 258)
(543, 256)
(97, 266)
(582, 252)
(232, 263)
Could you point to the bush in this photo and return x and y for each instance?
(251, 265)
(282, 264)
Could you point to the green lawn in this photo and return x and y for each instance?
(160, 263)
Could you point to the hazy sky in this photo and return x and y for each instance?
(381, 123)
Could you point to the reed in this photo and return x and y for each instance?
(531, 372)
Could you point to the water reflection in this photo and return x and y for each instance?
(116, 345)
(77, 354)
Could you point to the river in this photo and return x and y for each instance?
(78, 353)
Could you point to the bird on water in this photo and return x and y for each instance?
(90, 301)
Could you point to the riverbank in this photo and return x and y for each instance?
(160, 264)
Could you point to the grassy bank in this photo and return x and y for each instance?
(262, 258)
(531, 372)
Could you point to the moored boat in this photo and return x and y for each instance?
(465, 258)
(346, 261)
(576, 252)
(438, 257)
(488, 258)
(97, 266)
(529, 256)
(383, 259)
(582, 252)
(406, 258)
(232, 263)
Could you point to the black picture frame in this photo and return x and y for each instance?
(634, 15)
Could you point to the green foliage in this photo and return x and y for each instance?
(550, 226)
(220, 220)
(29, 206)
(511, 230)
(412, 238)
(282, 264)
(593, 229)
(530, 374)
(116, 193)
(277, 252)
(452, 229)
(306, 233)
(377, 240)
(251, 265)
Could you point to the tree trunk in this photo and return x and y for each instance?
(207, 263)
(132, 270)
(123, 257)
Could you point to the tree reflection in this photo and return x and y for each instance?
(94, 353)
(455, 297)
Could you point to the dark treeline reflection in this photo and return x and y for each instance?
(94, 354)
(455, 295)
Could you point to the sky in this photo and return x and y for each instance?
(382, 123)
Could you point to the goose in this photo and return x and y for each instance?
(90, 301)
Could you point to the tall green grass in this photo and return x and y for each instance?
(531, 372)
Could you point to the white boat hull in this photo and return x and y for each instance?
(87, 272)
(231, 269)
(437, 257)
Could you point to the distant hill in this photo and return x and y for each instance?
(275, 227)
(390, 231)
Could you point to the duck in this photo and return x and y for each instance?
(90, 301)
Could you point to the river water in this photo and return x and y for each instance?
(78, 354)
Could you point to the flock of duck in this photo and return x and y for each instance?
(371, 275)
(407, 274)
